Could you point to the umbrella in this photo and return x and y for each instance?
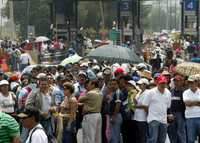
(71, 59)
(41, 39)
(28, 69)
(114, 54)
(188, 68)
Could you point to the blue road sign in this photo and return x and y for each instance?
(125, 5)
(190, 5)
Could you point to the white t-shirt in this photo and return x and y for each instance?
(38, 136)
(140, 114)
(158, 103)
(7, 103)
(193, 111)
(46, 102)
(25, 58)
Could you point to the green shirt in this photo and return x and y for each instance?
(9, 128)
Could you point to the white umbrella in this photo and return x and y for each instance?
(41, 39)
(71, 60)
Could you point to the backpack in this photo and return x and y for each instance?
(37, 128)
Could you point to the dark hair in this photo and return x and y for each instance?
(32, 111)
(95, 82)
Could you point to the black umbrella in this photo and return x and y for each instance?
(115, 54)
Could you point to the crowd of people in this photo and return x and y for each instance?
(93, 102)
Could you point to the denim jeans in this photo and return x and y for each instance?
(116, 129)
(193, 129)
(69, 133)
(177, 129)
(157, 132)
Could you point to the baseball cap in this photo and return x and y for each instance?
(84, 65)
(132, 82)
(143, 81)
(165, 73)
(141, 66)
(28, 112)
(4, 82)
(156, 75)
(161, 79)
(119, 70)
(107, 71)
(41, 75)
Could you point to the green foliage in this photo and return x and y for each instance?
(38, 16)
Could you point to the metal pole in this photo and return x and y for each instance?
(138, 16)
(133, 20)
(175, 13)
(167, 21)
(182, 18)
(27, 16)
(197, 26)
(76, 16)
(170, 4)
(118, 15)
(159, 15)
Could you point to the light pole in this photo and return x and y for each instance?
(182, 17)
(197, 14)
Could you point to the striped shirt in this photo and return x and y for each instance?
(9, 128)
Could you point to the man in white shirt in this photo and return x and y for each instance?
(191, 98)
(30, 120)
(158, 101)
(24, 61)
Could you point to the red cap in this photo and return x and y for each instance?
(178, 78)
(161, 79)
(14, 78)
(119, 70)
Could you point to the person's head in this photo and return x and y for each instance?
(143, 83)
(193, 83)
(53, 70)
(25, 79)
(178, 81)
(130, 85)
(43, 83)
(82, 77)
(60, 80)
(167, 75)
(34, 71)
(107, 74)
(68, 88)
(119, 72)
(123, 80)
(29, 117)
(115, 84)
(50, 79)
(91, 84)
(161, 82)
(4, 86)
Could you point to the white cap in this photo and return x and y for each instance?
(84, 65)
(192, 78)
(143, 81)
(96, 67)
(132, 82)
(41, 75)
(141, 65)
(4, 82)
